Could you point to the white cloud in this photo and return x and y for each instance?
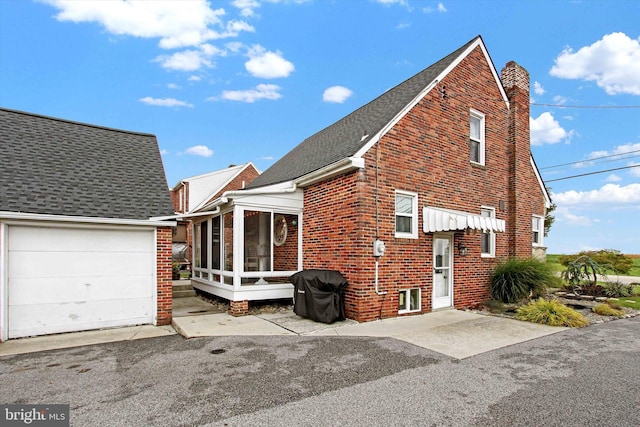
(560, 100)
(607, 194)
(164, 102)
(246, 6)
(402, 26)
(194, 78)
(546, 130)
(199, 150)
(173, 86)
(621, 151)
(262, 91)
(163, 152)
(336, 94)
(388, 2)
(188, 60)
(440, 8)
(613, 178)
(563, 214)
(266, 64)
(612, 62)
(176, 24)
(538, 89)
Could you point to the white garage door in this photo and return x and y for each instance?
(73, 279)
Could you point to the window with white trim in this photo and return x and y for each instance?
(476, 137)
(409, 300)
(488, 247)
(537, 227)
(406, 214)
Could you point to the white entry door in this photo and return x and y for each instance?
(442, 272)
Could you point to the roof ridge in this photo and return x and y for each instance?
(58, 119)
(349, 134)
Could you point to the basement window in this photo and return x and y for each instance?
(409, 300)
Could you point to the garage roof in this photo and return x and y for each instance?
(60, 167)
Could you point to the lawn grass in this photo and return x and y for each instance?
(552, 260)
(631, 302)
(635, 270)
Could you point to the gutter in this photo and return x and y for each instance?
(151, 222)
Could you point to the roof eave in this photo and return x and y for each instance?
(338, 168)
(23, 216)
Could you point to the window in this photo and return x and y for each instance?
(406, 214)
(476, 137)
(409, 300)
(537, 227)
(488, 238)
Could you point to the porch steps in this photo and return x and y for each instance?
(183, 289)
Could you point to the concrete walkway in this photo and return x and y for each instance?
(458, 334)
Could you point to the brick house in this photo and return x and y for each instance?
(191, 193)
(414, 198)
(78, 247)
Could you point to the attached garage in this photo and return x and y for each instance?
(64, 279)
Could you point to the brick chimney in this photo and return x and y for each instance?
(515, 80)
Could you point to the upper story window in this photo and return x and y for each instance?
(488, 238)
(476, 137)
(406, 214)
(537, 227)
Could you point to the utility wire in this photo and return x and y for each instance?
(591, 173)
(446, 94)
(595, 158)
(585, 106)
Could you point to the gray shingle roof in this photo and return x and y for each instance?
(59, 167)
(344, 138)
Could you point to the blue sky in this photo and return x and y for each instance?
(227, 82)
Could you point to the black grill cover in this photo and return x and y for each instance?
(319, 295)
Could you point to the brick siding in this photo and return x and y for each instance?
(427, 152)
(164, 285)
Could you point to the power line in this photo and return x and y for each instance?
(595, 158)
(446, 94)
(592, 173)
(585, 106)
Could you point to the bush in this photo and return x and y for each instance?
(517, 278)
(617, 290)
(609, 259)
(551, 313)
(608, 310)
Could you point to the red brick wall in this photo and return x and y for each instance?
(178, 196)
(523, 183)
(245, 177)
(427, 152)
(285, 257)
(163, 263)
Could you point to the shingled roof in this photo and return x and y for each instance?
(59, 167)
(345, 137)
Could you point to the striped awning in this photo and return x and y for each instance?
(436, 219)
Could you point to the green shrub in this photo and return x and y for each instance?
(608, 310)
(516, 278)
(617, 290)
(609, 259)
(551, 313)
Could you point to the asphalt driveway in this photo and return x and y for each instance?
(577, 377)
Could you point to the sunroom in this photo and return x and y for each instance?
(246, 245)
